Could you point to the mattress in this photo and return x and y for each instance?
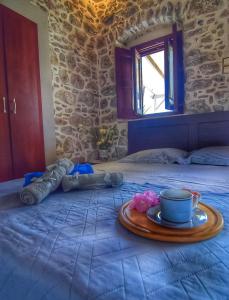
(201, 177)
(71, 246)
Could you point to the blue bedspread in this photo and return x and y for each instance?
(71, 246)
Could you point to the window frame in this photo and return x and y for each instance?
(150, 47)
(128, 100)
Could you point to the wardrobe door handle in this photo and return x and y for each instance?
(15, 106)
(4, 105)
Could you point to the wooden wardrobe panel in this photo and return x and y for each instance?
(23, 77)
(5, 149)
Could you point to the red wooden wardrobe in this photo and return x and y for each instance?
(21, 130)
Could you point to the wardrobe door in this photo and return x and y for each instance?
(23, 80)
(5, 149)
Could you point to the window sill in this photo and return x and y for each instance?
(151, 116)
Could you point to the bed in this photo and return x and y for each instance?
(71, 246)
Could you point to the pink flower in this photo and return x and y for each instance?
(142, 202)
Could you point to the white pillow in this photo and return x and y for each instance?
(160, 156)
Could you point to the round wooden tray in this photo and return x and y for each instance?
(139, 224)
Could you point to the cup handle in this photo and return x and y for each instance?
(195, 199)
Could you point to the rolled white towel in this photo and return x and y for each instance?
(35, 192)
(88, 181)
(46, 184)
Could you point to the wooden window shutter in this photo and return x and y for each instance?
(169, 75)
(138, 89)
(179, 71)
(174, 72)
(124, 83)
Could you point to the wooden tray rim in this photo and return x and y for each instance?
(196, 234)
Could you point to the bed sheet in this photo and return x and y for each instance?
(71, 246)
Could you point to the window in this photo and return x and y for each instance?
(153, 83)
(149, 77)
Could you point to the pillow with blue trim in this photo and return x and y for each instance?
(215, 156)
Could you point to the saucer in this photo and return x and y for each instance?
(199, 218)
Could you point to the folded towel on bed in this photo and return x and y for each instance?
(82, 169)
(91, 181)
(46, 184)
(30, 177)
(78, 168)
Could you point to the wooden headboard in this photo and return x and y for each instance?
(186, 132)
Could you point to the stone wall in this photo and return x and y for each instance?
(206, 41)
(83, 36)
(205, 27)
(74, 71)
